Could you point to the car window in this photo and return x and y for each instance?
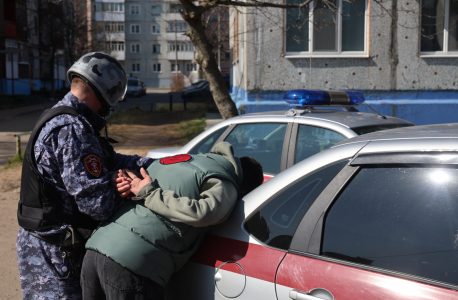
(132, 83)
(375, 128)
(401, 219)
(205, 145)
(276, 222)
(262, 141)
(311, 140)
(201, 84)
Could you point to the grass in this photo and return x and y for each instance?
(14, 161)
(190, 129)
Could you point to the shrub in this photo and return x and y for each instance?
(178, 83)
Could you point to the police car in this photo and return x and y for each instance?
(373, 217)
(280, 139)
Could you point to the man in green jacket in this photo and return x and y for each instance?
(133, 254)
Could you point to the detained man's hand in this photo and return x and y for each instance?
(123, 185)
(136, 184)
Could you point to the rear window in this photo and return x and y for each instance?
(132, 83)
(375, 128)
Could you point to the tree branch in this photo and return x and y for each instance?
(206, 5)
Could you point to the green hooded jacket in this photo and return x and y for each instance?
(152, 245)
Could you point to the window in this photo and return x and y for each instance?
(175, 8)
(401, 219)
(157, 68)
(174, 68)
(155, 29)
(275, 223)
(191, 67)
(228, 55)
(180, 47)
(156, 48)
(136, 68)
(311, 140)
(134, 28)
(215, 16)
(135, 48)
(205, 145)
(114, 26)
(114, 46)
(98, 6)
(110, 7)
(180, 26)
(155, 10)
(36, 60)
(262, 141)
(439, 32)
(332, 28)
(135, 9)
(35, 25)
(221, 26)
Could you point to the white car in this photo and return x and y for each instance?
(280, 139)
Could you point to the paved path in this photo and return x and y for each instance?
(15, 121)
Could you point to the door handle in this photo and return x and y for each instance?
(322, 294)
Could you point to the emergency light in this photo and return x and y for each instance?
(297, 98)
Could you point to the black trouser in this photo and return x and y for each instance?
(102, 278)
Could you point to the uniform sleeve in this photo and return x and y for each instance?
(217, 199)
(83, 173)
(131, 162)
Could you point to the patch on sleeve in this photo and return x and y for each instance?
(93, 165)
(175, 159)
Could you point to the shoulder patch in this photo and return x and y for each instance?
(175, 159)
(93, 165)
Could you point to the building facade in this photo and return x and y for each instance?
(403, 56)
(108, 28)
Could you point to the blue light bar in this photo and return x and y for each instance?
(297, 98)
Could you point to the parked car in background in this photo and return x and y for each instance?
(200, 91)
(373, 217)
(280, 139)
(135, 87)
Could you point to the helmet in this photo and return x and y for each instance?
(104, 73)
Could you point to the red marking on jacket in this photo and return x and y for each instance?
(175, 159)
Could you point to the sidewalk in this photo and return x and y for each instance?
(212, 119)
(6, 114)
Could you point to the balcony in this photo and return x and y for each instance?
(182, 55)
(119, 55)
(111, 36)
(109, 16)
(174, 16)
(180, 37)
(10, 29)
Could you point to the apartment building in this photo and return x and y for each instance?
(402, 55)
(108, 28)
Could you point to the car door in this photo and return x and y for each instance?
(267, 142)
(390, 233)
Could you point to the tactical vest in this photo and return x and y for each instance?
(149, 244)
(40, 207)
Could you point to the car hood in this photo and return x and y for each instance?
(163, 152)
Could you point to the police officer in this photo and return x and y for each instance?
(66, 181)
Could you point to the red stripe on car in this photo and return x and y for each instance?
(257, 261)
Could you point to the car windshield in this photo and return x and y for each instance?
(132, 82)
(200, 84)
(374, 128)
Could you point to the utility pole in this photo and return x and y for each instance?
(176, 49)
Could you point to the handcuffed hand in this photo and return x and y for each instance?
(136, 184)
(123, 185)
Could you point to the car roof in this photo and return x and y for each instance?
(345, 118)
(437, 131)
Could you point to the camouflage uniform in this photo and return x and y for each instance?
(60, 150)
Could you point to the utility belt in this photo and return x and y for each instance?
(72, 248)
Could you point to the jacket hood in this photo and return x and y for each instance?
(225, 150)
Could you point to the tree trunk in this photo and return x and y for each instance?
(208, 63)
